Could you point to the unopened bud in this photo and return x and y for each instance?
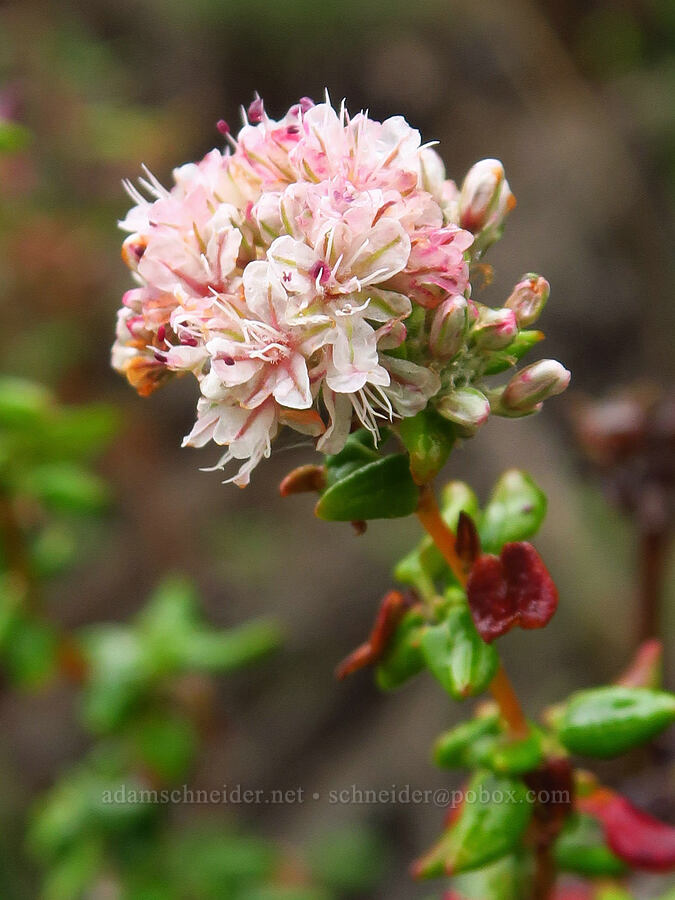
(495, 328)
(532, 385)
(466, 407)
(485, 198)
(449, 326)
(528, 299)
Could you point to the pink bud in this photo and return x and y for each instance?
(256, 111)
(448, 328)
(495, 328)
(466, 407)
(528, 299)
(485, 198)
(223, 127)
(532, 385)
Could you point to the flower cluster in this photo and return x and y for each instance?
(317, 274)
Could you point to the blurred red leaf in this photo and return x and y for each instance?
(634, 836)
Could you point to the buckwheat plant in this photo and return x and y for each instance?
(317, 275)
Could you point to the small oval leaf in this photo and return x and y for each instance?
(383, 489)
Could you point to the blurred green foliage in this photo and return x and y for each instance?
(143, 689)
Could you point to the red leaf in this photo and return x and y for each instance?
(535, 593)
(393, 607)
(492, 608)
(467, 542)
(302, 480)
(513, 589)
(634, 836)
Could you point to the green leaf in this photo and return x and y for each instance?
(428, 438)
(77, 433)
(284, 892)
(166, 744)
(75, 872)
(358, 451)
(491, 823)
(457, 656)
(65, 487)
(119, 672)
(515, 512)
(507, 879)
(53, 550)
(457, 497)
(225, 651)
(349, 860)
(379, 490)
(22, 403)
(608, 721)
(507, 756)
(167, 622)
(61, 815)
(13, 136)
(30, 652)
(212, 862)
(581, 848)
(451, 748)
(614, 892)
(404, 658)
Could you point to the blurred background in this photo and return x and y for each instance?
(576, 97)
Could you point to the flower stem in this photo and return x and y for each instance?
(444, 538)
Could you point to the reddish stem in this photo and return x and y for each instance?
(501, 688)
(652, 565)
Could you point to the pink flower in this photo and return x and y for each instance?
(293, 276)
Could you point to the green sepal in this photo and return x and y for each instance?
(451, 749)
(608, 721)
(581, 848)
(515, 511)
(383, 489)
(501, 360)
(428, 438)
(457, 656)
(404, 658)
(491, 823)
